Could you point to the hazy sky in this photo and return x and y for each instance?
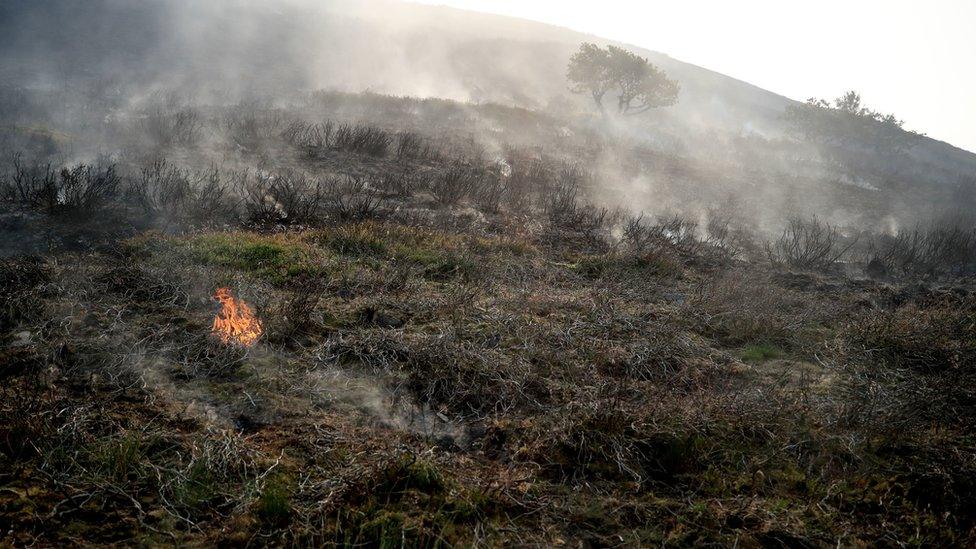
(914, 58)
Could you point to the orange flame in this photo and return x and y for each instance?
(236, 321)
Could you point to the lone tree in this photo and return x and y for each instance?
(639, 85)
(847, 123)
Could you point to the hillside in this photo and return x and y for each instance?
(364, 275)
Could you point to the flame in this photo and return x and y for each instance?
(236, 321)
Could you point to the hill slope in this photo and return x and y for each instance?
(247, 47)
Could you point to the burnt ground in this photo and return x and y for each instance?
(458, 351)
(434, 387)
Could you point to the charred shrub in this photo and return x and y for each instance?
(310, 139)
(284, 198)
(34, 186)
(175, 195)
(411, 146)
(403, 182)
(454, 184)
(561, 202)
(809, 244)
(565, 210)
(213, 202)
(528, 178)
(674, 234)
(727, 238)
(490, 191)
(181, 128)
(80, 191)
(251, 128)
(20, 278)
(352, 199)
(941, 250)
(362, 138)
(86, 189)
(161, 190)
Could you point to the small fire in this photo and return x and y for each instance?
(236, 321)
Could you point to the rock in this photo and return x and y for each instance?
(21, 339)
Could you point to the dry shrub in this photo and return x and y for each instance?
(141, 286)
(937, 338)
(295, 313)
(464, 376)
(27, 419)
(905, 367)
(441, 370)
(200, 354)
(743, 306)
(667, 354)
(607, 439)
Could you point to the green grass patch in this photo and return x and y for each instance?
(438, 256)
(274, 503)
(657, 265)
(412, 502)
(355, 240)
(120, 459)
(760, 353)
(275, 258)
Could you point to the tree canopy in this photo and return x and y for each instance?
(847, 122)
(638, 84)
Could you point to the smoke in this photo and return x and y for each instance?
(84, 78)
